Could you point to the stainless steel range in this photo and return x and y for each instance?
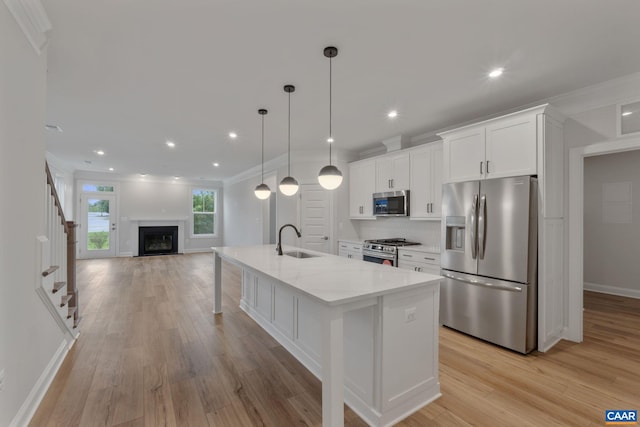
(384, 251)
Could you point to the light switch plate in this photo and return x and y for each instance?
(410, 314)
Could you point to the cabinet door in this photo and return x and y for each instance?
(362, 181)
(419, 183)
(384, 174)
(511, 147)
(434, 196)
(464, 155)
(392, 172)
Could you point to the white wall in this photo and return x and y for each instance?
(424, 232)
(149, 199)
(611, 249)
(246, 214)
(60, 168)
(29, 337)
(243, 213)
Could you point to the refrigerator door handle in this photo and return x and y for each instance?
(511, 288)
(482, 226)
(474, 240)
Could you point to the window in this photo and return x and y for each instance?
(93, 188)
(204, 212)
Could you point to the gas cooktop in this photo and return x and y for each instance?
(391, 242)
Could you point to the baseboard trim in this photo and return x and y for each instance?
(28, 408)
(125, 254)
(612, 290)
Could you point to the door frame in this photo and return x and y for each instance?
(577, 155)
(80, 220)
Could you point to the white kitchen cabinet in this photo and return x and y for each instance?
(425, 262)
(392, 172)
(426, 182)
(362, 185)
(496, 148)
(349, 249)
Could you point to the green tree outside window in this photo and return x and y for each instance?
(204, 205)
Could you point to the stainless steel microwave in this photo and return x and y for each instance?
(391, 203)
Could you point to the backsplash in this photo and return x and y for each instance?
(424, 232)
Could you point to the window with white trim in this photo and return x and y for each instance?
(203, 214)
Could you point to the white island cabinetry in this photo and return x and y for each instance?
(369, 332)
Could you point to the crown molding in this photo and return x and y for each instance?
(610, 92)
(33, 20)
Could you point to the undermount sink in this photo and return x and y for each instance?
(300, 254)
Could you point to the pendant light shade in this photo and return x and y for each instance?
(262, 191)
(330, 176)
(289, 185)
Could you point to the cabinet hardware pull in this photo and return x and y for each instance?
(481, 168)
(407, 255)
(392, 183)
(487, 166)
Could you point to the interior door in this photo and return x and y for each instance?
(315, 217)
(98, 226)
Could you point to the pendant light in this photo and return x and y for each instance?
(262, 191)
(289, 185)
(330, 177)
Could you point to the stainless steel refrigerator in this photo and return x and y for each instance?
(489, 260)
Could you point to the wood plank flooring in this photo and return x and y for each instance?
(151, 353)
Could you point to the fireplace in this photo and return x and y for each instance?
(157, 240)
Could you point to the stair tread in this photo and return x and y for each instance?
(64, 299)
(50, 270)
(71, 311)
(57, 286)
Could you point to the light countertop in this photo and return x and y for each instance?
(430, 249)
(329, 278)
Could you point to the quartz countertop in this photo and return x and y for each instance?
(329, 278)
(421, 248)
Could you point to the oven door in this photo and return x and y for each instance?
(379, 258)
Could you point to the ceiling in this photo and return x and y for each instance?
(125, 76)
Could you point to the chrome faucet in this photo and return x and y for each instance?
(279, 245)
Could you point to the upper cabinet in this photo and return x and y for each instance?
(392, 172)
(506, 146)
(426, 181)
(362, 185)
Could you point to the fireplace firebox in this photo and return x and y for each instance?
(157, 240)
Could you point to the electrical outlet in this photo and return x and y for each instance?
(410, 314)
(1, 379)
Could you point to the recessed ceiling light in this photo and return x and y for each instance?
(143, 174)
(110, 169)
(233, 135)
(171, 144)
(176, 177)
(329, 140)
(53, 127)
(216, 164)
(627, 113)
(99, 152)
(392, 114)
(496, 73)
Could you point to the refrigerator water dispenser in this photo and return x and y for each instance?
(455, 233)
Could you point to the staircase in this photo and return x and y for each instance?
(57, 263)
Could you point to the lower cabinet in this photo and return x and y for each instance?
(350, 249)
(419, 261)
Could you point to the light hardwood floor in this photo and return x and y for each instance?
(151, 353)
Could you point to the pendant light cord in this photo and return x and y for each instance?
(262, 173)
(289, 139)
(330, 103)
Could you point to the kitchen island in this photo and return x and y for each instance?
(368, 331)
